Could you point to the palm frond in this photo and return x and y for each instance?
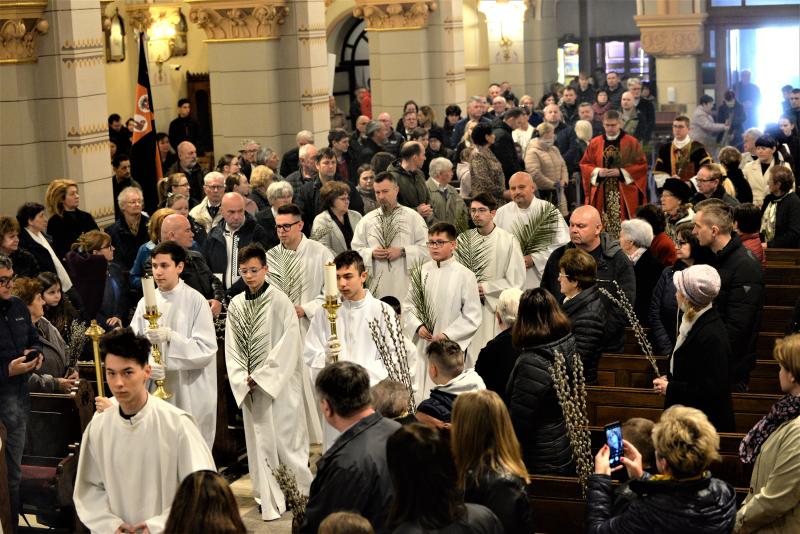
(539, 232)
(388, 227)
(462, 222)
(286, 272)
(471, 252)
(252, 343)
(421, 306)
(372, 283)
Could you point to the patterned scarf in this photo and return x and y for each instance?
(785, 409)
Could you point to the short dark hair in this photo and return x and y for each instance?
(394, 302)
(639, 431)
(336, 135)
(611, 115)
(452, 109)
(325, 153)
(160, 136)
(173, 249)
(705, 99)
(513, 113)
(114, 117)
(381, 161)
(579, 266)
(183, 101)
(384, 176)
(290, 209)
(443, 228)
(653, 215)
(539, 320)
(479, 133)
(124, 342)
(683, 118)
(348, 258)
(232, 181)
(363, 168)
(570, 88)
(410, 149)
(417, 133)
(486, 199)
(118, 159)
(7, 226)
(344, 386)
(27, 212)
(748, 218)
(252, 251)
(783, 177)
(447, 356)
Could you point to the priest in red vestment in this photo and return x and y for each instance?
(614, 172)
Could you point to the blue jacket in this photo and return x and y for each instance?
(17, 333)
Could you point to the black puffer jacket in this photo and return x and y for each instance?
(504, 495)
(664, 311)
(535, 411)
(587, 313)
(705, 506)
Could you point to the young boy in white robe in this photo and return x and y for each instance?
(134, 454)
(503, 266)
(451, 292)
(265, 371)
(186, 337)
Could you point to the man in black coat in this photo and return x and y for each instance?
(185, 128)
(119, 134)
(373, 143)
(503, 146)
(740, 299)
(352, 474)
(187, 164)
(308, 199)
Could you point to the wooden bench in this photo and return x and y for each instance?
(50, 459)
(786, 256)
(5, 500)
(782, 274)
(607, 404)
(781, 295)
(765, 343)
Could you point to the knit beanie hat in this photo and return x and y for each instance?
(699, 284)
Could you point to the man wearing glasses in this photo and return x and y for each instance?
(207, 213)
(18, 337)
(709, 185)
(682, 157)
(451, 291)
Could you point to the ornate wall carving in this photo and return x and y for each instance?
(20, 24)
(231, 20)
(672, 35)
(380, 15)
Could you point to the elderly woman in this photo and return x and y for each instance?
(704, 127)
(684, 497)
(780, 220)
(54, 376)
(237, 183)
(447, 205)
(578, 282)
(497, 358)
(773, 446)
(31, 218)
(333, 227)
(635, 238)
(261, 177)
(66, 221)
(484, 168)
(24, 262)
(757, 172)
(139, 268)
(544, 163)
(698, 374)
(675, 195)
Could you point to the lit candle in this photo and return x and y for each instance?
(330, 281)
(149, 289)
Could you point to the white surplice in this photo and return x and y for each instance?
(505, 268)
(392, 277)
(130, 469)
(190, 356)
(273, 432)
(452, 291)
(510, 215)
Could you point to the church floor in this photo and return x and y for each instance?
(242, 490)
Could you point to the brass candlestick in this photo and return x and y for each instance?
(95, 331)
(331, 305)
(152, 314)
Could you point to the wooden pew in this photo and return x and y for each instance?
(781, 295)
(607, 404)
(50, 459)
(785, 256)
(782, 274)
(765, 343)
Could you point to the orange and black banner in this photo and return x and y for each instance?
(145, 160)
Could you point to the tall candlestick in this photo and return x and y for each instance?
(330, 280)
(149, 290)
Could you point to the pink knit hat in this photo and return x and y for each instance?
(699, 284)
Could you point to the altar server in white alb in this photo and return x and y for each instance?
(446, 295)
(390, 239)
(494, 253)
(186, 337)
(134, 454)
(512, 217)
(265, 371)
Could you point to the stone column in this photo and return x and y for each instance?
(508, 51)
(540, 67)
(54, 107)
(267, 63)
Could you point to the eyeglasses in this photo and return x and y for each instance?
(182, 184)
(437, 244)
(7, 280)
(286, 227)
(681, 242)
(215, 187)
(707, 180)
(251, 270)
(109, 246)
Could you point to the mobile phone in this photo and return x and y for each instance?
(32, 355)
(614, 440)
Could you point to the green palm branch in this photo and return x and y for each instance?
(539, 232)
(286, 272)
(462, 222)
(388, 227)
(421, 306)
(251, 341)
(471, 252)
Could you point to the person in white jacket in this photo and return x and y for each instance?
(704, 127)
(757, 172)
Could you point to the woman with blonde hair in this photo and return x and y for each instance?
(773, 447)
(544, 163)
(175, 184)
(466, 140)
(684, 497)
(66, 220)
(489, 459)
(140, 268)
(261, 177)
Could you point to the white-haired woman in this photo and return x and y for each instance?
(698, 375)
(635, 237)
(497, 358)
(278, 194)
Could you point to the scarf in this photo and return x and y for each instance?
(683, 331)
(769, 218)
(787, 408)
(66, 282)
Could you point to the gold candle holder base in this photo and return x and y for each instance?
(152, 314)
(331, 306)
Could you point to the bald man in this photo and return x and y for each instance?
(188, 165)
(236, 230)
(633, 122)
(586, 233)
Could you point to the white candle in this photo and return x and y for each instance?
(671, 95)
(149, 289)
(330, 281)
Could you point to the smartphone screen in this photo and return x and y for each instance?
(614, 440)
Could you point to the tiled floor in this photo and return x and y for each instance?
(249, 510)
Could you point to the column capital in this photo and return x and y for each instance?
(238, 20)
(383, 15)
(20, 25)
(672, 35)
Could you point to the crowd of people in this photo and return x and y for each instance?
(468, 257)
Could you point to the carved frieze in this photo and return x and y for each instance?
(672, 35)
(232, 20)
(382, 15)
(20, 24)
